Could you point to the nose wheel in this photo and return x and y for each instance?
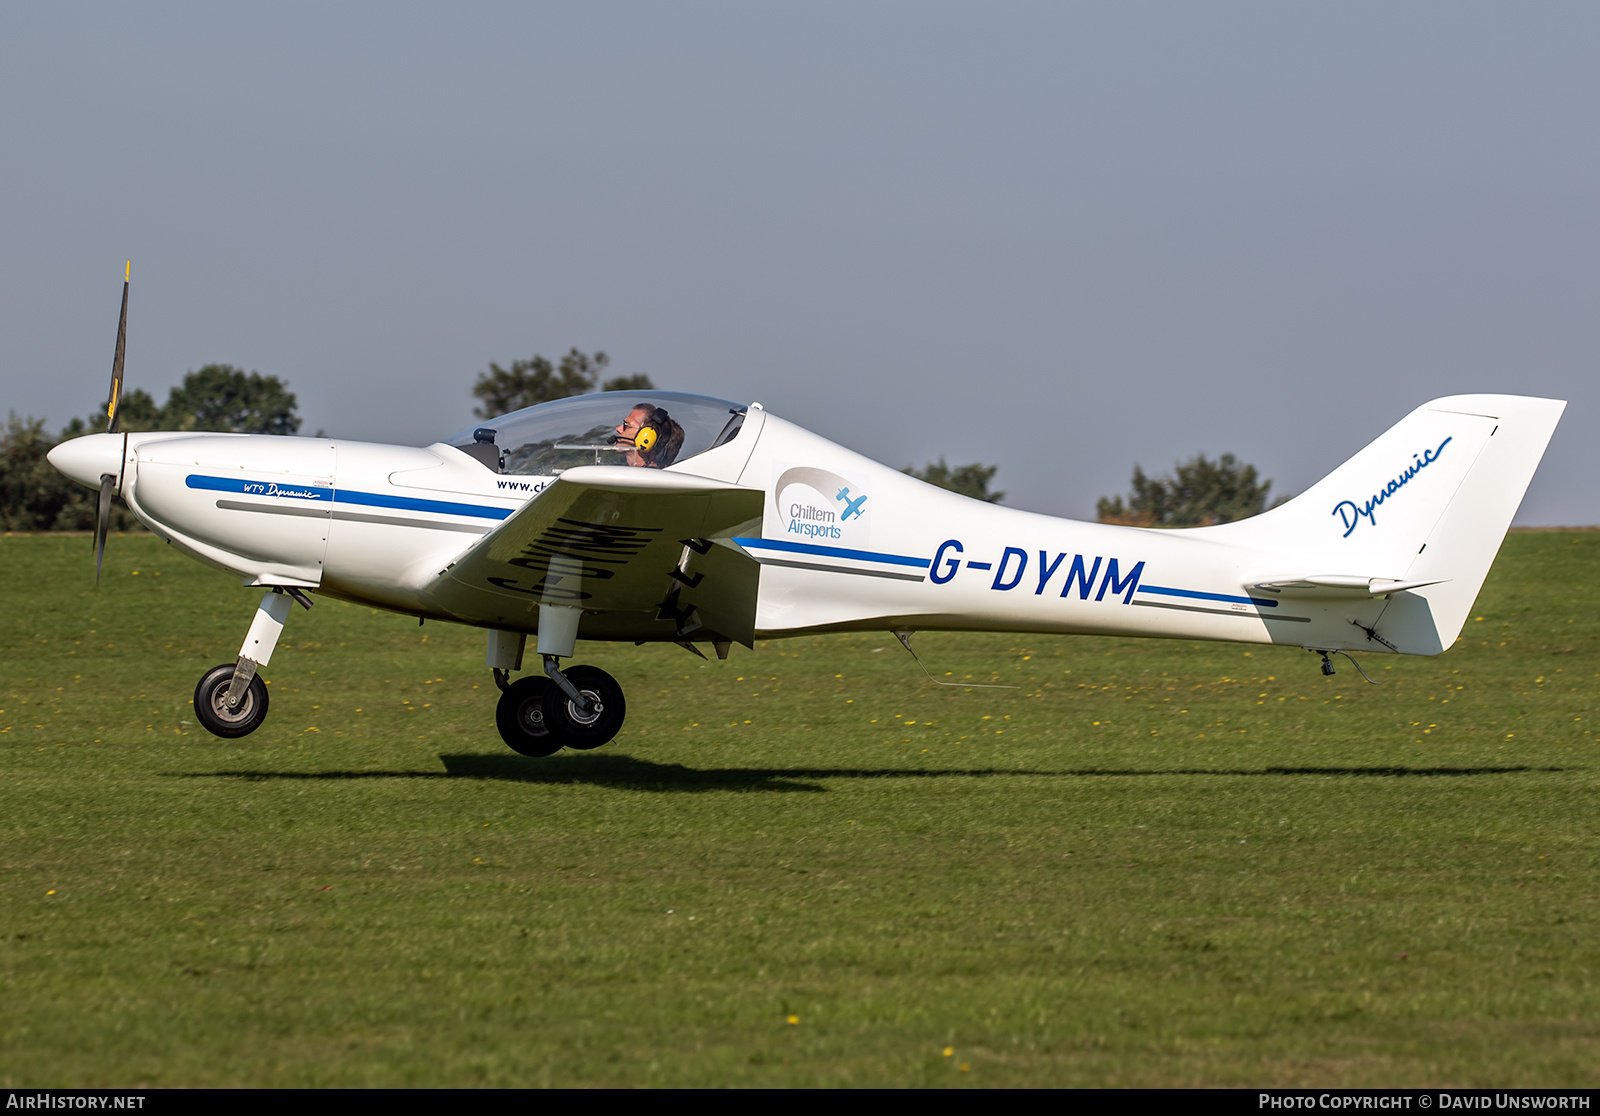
(538, 716)
(216, 716)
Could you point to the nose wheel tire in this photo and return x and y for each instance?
(211, 704)
(591, 728)
(520, 717)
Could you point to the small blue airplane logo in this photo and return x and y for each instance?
(852, 507)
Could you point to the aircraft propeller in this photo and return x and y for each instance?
(108, 481)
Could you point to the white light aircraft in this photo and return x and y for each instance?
(661, 517)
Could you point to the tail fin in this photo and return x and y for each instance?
(1427, 504)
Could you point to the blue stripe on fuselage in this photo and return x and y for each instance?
(834, 552)
(287, 491)
(1165, 592)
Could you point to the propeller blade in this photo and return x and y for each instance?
(114, 405)
(102, 521)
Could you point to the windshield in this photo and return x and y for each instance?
(652, 429)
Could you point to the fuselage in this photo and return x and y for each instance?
(843, 543)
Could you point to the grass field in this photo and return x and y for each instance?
(1152, 863)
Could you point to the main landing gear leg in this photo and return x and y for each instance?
(580, 707)
(231, 701)
(585, 705)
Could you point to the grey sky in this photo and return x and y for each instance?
(1060, 238)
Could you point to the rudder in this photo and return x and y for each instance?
(1462, 545)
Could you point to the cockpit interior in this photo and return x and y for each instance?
(648, 429)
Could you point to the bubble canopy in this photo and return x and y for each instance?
(547, 438)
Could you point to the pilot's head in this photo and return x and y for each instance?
(628, 432)
(649, 437)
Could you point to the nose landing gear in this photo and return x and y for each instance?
(231, 699)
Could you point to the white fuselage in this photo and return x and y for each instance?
(844, 543)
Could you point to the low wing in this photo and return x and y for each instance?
(645, 553)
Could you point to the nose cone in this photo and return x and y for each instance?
(86, 459)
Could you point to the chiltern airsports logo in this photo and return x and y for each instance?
(1352, 513)
(816, 504)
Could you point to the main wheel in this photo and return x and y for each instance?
(520, 718)
(606, 708)
(211, 704)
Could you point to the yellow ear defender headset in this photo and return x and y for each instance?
(647, 436)
(651, 430)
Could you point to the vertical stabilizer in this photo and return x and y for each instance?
(1429, 501)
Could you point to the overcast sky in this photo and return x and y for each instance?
(1058, 238)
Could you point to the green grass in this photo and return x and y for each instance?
(1153, 863)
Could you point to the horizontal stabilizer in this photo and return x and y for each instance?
(1343, 585)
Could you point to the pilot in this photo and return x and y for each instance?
(649, 437)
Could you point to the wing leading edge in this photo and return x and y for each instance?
(643, 552)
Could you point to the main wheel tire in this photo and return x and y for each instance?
(585, 730)
(211, 704)
(520, 717)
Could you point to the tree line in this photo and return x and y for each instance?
(1199, 492)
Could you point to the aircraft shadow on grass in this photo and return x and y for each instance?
(628, 773)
